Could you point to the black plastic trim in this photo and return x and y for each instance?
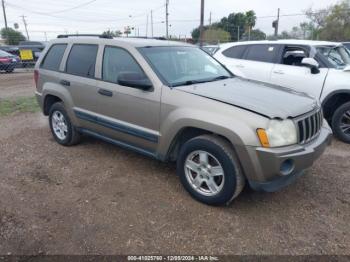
(117, 126)
(117, 142)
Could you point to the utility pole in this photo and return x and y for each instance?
(201, 26)
(210, 20)
(167, 19)
(25, 25)
(237, 33)
(275, 23)
(152, 23)
(147, 27)
(4, 11)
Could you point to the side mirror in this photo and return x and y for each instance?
(312, 64)
(135, 80)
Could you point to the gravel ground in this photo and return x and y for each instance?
(19, 83)
(96, 198)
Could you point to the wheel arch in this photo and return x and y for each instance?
(333, 101)
(188, 132)
(52, 93)
(49, 100)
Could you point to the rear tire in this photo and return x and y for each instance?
(341, 123)
(209, 170)
(61, 126)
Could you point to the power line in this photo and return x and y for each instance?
(14, 6)
(75, 7)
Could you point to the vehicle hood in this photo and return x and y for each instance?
(265, 99)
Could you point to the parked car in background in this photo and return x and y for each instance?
(211, 49)
(8, 62)
(174, 102)
(347, 45)
(34, 47)
(321, 69)
(10, 49)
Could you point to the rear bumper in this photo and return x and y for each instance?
(279, 167)
(39, 99)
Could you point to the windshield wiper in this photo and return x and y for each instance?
(189, 82)
(219, 78)
(192, 82)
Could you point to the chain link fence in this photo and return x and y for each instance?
(24, 55)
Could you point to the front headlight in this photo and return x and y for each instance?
(278, 133)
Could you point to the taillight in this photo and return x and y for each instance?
(5, 59)
(36, 77)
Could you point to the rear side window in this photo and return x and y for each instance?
(235, 51)
(262, 53)
(116, 61)
(81, 60)
(53, 57)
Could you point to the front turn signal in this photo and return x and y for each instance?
(264, 140)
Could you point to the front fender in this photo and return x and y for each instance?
(236, 131)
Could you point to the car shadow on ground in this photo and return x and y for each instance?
(165, 169)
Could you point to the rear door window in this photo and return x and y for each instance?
(262, 53)
(53, 57)
(235, 51)
(81, 60)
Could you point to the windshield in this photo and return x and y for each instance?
(184, 65)
(338, 56)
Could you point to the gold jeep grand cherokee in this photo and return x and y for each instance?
(173, 102)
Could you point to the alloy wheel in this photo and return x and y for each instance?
(59, 125)
(204, 173)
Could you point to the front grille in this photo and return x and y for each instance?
(309, 127)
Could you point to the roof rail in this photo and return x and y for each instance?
(75, 35)
(146, 37)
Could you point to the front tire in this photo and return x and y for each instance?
(61, 126)
(209, 170)
(341, 123)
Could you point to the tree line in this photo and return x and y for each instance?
(234, 27)
(330, 24)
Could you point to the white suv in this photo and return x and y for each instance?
(321, 69)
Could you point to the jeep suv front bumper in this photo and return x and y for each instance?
(279, 167)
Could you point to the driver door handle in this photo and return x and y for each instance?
(279, 72)
(105, 92)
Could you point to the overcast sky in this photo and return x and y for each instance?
(57, 17)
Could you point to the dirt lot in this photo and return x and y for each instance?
(20, 83)
(96, 198)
